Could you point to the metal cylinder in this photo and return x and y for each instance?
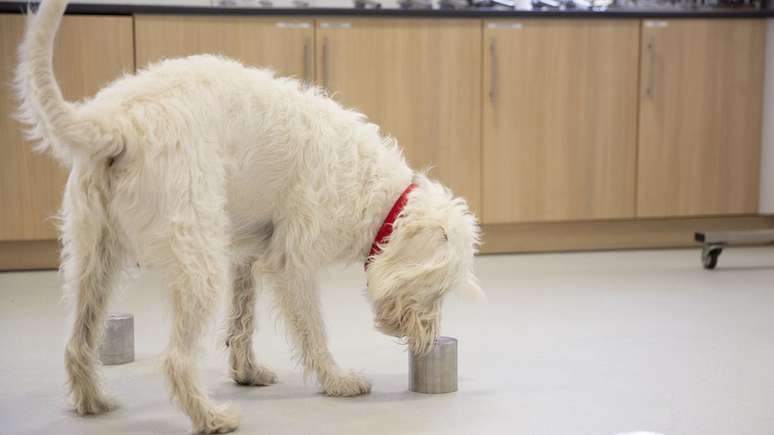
(435, 372)
(117, 345)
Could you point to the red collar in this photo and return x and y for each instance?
(386, 229)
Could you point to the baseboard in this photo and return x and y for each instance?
(614, 234)
(500, 238)
(29, 255)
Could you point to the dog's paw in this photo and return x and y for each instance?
(349, 385)
(223, 421)
(257, 376)
(93, 405)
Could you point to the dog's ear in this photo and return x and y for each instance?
(422, 243)
(427, 233)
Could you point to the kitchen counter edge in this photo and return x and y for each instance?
(132, 9)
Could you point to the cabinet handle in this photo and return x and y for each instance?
(492, 71)
(325, 62)
(306, 60)
(656, 23)
(293, 25)
(501, 25)
(335, 25)
(650, 90)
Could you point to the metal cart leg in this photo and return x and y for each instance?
(713, 242)
(710, 254)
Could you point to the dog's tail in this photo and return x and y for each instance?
(54, 123)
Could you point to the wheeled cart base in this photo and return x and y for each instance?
(714, 241)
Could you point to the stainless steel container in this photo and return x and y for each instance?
(435, 372)
(117, 345)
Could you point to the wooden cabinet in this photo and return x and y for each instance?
(533, 121)
(90, 52)
(420, 80)
(560, 120)
(700, 117)
(284, 45)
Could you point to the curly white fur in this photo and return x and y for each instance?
(215, 172)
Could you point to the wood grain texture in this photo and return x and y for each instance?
(700, 119)
(283, 45)
(560, 119)
(89, 53)
(610, 234)
(29, 255)
(420, 80)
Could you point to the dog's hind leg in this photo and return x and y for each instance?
(90, 264)
(245, 370)
(298, 298)
(197, 270)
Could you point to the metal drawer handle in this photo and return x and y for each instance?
(493, 70)
(655, 23)
(650, 90)
(329, 25)
(494, 25)
(306, 59)
(286, 25)
(325, 62)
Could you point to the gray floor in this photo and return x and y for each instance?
(587, 343)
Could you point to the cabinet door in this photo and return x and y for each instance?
(89, 52)
(420, 80)
(700, 117)
(560, 119)
(283, 45)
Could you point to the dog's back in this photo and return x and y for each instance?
(252, 142)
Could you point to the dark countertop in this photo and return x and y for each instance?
(118, 9)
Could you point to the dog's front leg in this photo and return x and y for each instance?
(298, 297)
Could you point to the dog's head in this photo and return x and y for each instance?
(429, 253)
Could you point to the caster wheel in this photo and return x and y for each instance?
(709, 256)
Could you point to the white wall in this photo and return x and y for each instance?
(767, 157)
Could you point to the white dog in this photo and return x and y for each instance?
(215, 173)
